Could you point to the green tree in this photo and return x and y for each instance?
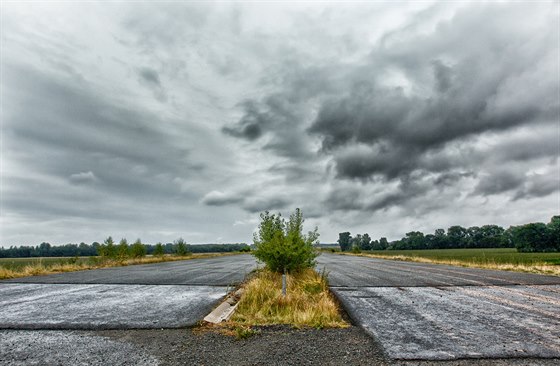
(281, 244)
(457, 236)
(122, 249)
(159, 250)
(345, 241)
(138, 250)
(383, 243)
(532, 237)
(365, 243)
(554, 233)
(181, 248)
(108, 248)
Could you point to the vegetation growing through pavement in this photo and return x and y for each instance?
(308, 301)
(281, 244)
(533, 237)
(283, 247)
(492, 258)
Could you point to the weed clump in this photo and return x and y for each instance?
(308, 301)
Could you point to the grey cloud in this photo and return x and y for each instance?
(83, 178)
(150, 76)
(498, 182)
(259, 204)
(539, 185)
(217, 198)
(249, 202)
(415, 99)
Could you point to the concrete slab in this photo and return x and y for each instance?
(93, 306)
(446, 323)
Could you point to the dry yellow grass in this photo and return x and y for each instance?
(308, 301)
(545, 269)
(39, 268)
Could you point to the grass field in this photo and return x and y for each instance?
(17, 263)
(493, 258)
(492, 255)
(24, 267)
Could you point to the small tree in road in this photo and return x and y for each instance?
(281, 244)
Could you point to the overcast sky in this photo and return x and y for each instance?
(170, 120)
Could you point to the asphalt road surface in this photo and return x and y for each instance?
(217, 271)
(164, 295)
(434, 312)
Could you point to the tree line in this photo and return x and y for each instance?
(110, 248)
(533, 237)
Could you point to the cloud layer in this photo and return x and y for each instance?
(189, 119)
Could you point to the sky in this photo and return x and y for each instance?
(160, 120)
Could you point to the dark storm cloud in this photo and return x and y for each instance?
(419, 101)
(499, 182)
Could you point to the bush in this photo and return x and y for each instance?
(181, 248)
(122, 249)
(282, 246)
(138, 250)
(159, 251)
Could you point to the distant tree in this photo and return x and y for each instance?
(138, 250)
(181, 248)
(554, 233)
(365, 243)
(457, 237)
(108, 248)
(122, 249)
(345, 241)
(159, 251)
(357, 242)
(440, 239)
(429, 241)
(414, 240)
(44, 249)
(533, 237)
(383, 244)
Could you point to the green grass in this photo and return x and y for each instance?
(481, 256)
(18, 263)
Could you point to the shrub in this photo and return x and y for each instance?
(122, 249)
(159, 250)
(138, 250)
(181, 248)
(281, 245)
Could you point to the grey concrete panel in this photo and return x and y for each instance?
(95, 306)
(217, 271)
(353, 271)
(445, 323)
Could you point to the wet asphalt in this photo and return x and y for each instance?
(415, 313)
(434, 312)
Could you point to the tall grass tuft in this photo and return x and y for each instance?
(308, 301)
